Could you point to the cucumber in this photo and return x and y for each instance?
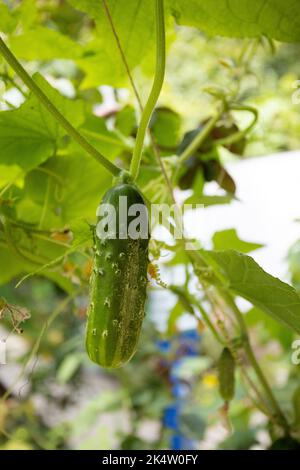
(226, 369)
(118, 288)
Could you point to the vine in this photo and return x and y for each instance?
(155, 91)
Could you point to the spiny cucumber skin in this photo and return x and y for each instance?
(118, 293)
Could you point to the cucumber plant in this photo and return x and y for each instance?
(119, 277)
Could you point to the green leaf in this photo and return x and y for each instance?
(9, 174)
(43, 43)
(25, 136)
(134, 23)
(81, 231)
(31, 212)
(166, 125)
(268, 327)
(77, 183)
(13, 265)
(27, 13)
(29, 135)
(68, 368)
(174, 315)
(209, 200)
(73, 110)
(244, 277)
(106, 141)
(229, 240)
(126, 120)
(7, 19)
(277, 19)
(180, 257)
(60, 280)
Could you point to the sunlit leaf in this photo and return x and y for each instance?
(277, 19)
(244, 277)
(229, 240)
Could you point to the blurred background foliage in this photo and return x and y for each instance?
(167, 397)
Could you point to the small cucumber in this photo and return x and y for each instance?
(226, 369)
(118, 288)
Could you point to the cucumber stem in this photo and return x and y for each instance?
(155, 91)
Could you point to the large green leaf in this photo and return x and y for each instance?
(268, 327)
(106, 141)
(26, 139)
(277, 19)
(29, 135)
(13, 265)
(244, 277)
(7, 19)
(134, 23)
(166, 125)
(43, 43)
(68, 188)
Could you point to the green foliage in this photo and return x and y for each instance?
(33, 130)
(276, 19)
(50, 190)
(243, 276)
(166, 126)
(7, 21)
(135, 32)
(229, 240)
(43, 43)
(267, 327)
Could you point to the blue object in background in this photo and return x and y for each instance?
(164, 345)
(171, 417)
(185, 344)
(180, 389)
(179, 442)
(192, 335)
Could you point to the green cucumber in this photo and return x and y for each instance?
(118, 288)
(226, 369)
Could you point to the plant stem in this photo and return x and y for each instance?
(200, 138)
(136, 93)
(251, 356)
(123, 57)
(190, 300)
(237, 136)
(209, 324)
(225, 294)
(61, 306)
(6, 78)
(14, 63)
(22, 253)
(155, 91)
